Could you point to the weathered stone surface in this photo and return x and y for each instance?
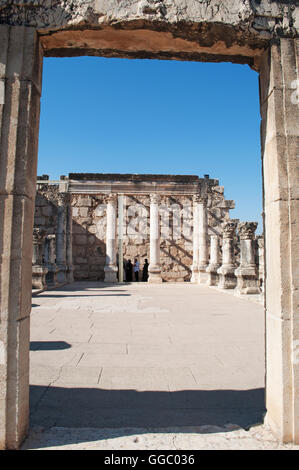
(280, 143)
(209, 30)
(227, 278)
(19, 115)
(175, 213)
(246, 273)
(167, 28)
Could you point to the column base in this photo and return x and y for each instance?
(202, 275)
(51, 276)
(61, 274)
(39, 277)
(213, 277)
(227, 278)
(110, 274)
(155, 275)
(70, 274)
(247, 281)
(194, 277)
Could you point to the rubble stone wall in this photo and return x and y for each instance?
(45, 215)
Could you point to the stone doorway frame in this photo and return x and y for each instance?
(21, 56)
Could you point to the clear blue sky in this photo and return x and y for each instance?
(150, 116)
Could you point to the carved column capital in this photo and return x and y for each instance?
(63, 199)
(52, 236)
(38, 235)
(202, 199)
(260, 241)
(155, 198)
(246, 230)
(112, 199)
(229, 228)
(196, 198)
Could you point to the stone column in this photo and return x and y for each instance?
(261, 262)
(51, 262)
(246, 273)
(203, 258)
(69, 244)
(20, 80)
(227, 278)
(154, 267)
(39, 270)
(61, 238)
(279, 75)
(214, 264)
(194, 277)
(111, 267)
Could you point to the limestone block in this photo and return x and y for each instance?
(280, 139)
(84, 201)
(110, 274)
(47, 211)
(80, 275)
(81, 239)
(83, 211)
(80, 260)
(40, 221)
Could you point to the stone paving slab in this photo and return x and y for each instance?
(140, 355)
(229, 437)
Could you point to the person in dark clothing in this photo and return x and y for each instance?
(145, 271)
(129, 268)
(136, 270)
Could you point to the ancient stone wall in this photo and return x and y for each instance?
(45, 215)
(176, 224)
(89, 236)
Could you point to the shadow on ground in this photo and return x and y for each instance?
(76, 288)
(48, 345)
(99, 408)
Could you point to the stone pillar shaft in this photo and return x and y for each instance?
(227, 278)
(154, 267)
(261, 261)
(203, 257)
(279, 77)
(51, 261)
(247, 279)
(61, 238)
(39, 270)
(194, 277)
(214, 261)
(69, 244)
(110, 267)
(20, 75)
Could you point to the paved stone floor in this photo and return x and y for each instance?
(139, 365)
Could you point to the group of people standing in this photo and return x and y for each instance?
(130, 268)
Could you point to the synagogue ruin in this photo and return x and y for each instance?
(262, 34)
(179, 223)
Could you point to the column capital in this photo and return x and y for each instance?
(260, 241)
(246, 230)
(202, 199)
(155, 198)
(62, 199)
(196, 198)
(52, 236)
(229, 228)
(38, 235)
(112, 199)
(214, 236)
